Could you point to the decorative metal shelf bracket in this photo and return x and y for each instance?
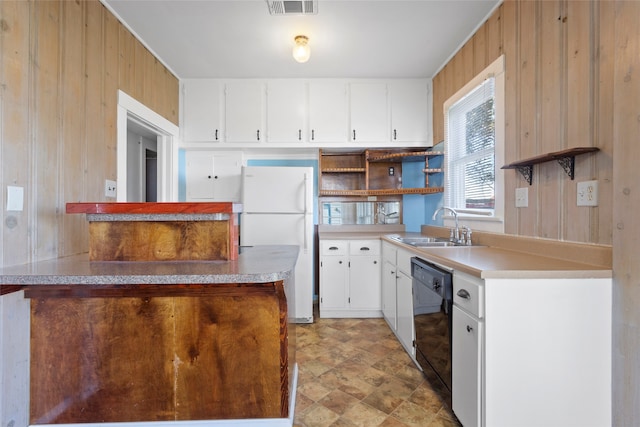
(568, 164)
(527, 172)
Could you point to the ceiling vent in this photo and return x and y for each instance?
(291, 7)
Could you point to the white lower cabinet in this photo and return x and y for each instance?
(397, 294)
(467, 332)
(350, 275)
(531, 351)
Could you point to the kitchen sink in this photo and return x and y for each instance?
(425, 242)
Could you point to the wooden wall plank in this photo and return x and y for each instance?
(509, 13)
(579, 117)
(94, 93)
(480, 52)
(494, 34)
(111, 28)
(16, 129)
(527, 108)
(48, 129)
(626, 293)
(550, 127)
(73, 152)
(603, 131)
(126, 77)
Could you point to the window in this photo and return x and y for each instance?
(474, 134)
(471, 150)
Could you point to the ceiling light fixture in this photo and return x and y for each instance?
(301, 51)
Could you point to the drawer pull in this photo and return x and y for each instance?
(364, 248)
(469, 328)
(333, 248)
(462, 293)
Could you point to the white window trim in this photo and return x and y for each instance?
(494, 223)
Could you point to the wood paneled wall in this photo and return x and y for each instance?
(559, 68)
(573, 79)
(62, 63)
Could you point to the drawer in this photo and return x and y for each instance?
(468, 293)
(364, 247)
(334, 247)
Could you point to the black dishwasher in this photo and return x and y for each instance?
(432, 314)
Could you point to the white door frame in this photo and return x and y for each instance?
(130, 109)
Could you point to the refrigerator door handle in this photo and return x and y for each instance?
(306, 212)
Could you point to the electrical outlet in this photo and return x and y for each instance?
(522, 197)
(110, 188)
(588, 193)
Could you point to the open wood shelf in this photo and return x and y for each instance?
(375, 172)
(388, 192)
(566, 159)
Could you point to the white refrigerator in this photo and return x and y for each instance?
(277, 209)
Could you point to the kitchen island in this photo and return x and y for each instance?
(148, 341)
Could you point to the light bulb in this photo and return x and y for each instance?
(301, 51)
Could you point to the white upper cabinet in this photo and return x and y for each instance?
(369, 112)
(213, 176)
(201, 108)
(327, 111)
(244, 108)
(319, 113)
(286, 110)
(410, 111)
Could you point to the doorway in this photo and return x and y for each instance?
(147, 154)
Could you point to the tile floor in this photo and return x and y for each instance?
(354, 372)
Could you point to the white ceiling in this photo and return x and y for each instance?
(348, 38)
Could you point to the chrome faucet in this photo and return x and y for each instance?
(455, 232)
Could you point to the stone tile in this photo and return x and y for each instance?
(425, 397)
(303, 403)
(338, 401)
(364, 416)
(318, 416)
(313, 390)
(413, 415)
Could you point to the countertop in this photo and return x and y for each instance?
(486, 261)
(257, 264)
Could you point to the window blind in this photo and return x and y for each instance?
(470, 150)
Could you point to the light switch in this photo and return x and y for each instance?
(522, 197)
(110, 188)
(15, 198)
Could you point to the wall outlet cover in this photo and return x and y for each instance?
(587, 193)
(110, 188)
(15, 198)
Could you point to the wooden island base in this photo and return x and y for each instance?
(159, 353)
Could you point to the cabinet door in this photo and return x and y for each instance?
(389, 294)
(286, 110)
(201, 110)
(410, 112)
(364, 283)
(199, 175)
(466, 367)
(333, 283)
(369, 112)
(213, 176)
(244, 111)
(405, 312)
(327, 111)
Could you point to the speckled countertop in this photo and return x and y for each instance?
(487, 261)
(257, 264)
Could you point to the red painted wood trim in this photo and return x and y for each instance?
(153, 208)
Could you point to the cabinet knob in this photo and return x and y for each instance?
(375, 262)
(209, 176)
(215, 177)
(339, 262)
